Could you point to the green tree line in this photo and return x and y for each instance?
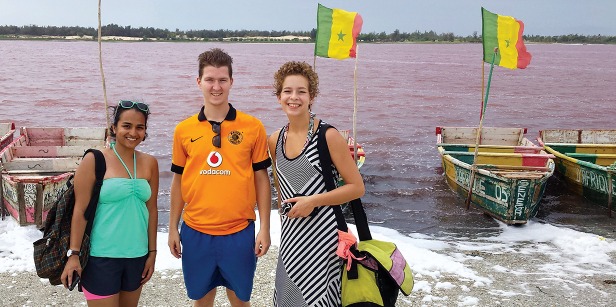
(150, 33)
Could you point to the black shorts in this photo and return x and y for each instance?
(108, 276)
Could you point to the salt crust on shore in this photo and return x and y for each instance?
(166, 288)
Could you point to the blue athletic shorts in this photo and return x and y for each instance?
(108, 276)
(211, 261)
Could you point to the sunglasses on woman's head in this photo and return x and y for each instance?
(127, 104)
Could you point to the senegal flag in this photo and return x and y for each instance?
(504, 32)
(337, 32)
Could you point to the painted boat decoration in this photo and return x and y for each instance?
(6, 134)
(511, 171)
(361, 155)
(586, 160)
(37, 165)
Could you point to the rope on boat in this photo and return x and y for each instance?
(100, 63)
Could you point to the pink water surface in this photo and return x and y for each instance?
(403, 92)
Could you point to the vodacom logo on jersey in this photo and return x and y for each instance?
(214, 160)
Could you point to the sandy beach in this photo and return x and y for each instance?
(511, 280)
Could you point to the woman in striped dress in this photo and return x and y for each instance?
(309, 271)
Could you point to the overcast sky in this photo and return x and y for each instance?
(462, 17)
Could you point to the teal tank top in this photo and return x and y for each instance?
(120, 228)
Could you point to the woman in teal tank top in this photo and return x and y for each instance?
(123, 239)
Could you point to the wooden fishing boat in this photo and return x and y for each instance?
(6, 134)
(510, 171)
(586, 160)
(37, 165)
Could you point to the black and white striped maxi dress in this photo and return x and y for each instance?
(308, 271)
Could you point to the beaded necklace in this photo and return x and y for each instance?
(310, 132)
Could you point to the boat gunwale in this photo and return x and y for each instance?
(550, 165)
(560, 155)
(11, 130)
(486, 171)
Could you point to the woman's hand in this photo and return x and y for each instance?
(303, 206)
(148, 270)
(71, 266)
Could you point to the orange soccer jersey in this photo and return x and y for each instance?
(218, 184)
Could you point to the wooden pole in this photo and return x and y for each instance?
(478, 138)
(2, 212)
(483, 77)
(513, 167)
(355, 107)
(314, 64)
(100, 63)
(610, 189)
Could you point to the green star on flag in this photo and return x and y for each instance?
(341, 36)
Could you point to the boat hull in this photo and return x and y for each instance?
(29, 198)
(583, 159)
(512, 201)
(37, 166)
(510, 176)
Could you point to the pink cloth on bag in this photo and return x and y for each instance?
(345, 241)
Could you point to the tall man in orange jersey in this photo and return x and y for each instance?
(219, 160)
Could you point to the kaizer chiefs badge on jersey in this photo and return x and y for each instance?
(235, 137)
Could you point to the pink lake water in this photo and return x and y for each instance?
(403, 92)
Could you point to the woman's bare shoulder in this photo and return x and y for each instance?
(274, 137)
(148, 158)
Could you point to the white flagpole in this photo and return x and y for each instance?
(355, 106)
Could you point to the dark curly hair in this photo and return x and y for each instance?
(297, 68)
(215, 57)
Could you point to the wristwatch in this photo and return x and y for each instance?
(71, 252)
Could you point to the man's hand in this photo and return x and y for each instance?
(262, 243)
(174, 244)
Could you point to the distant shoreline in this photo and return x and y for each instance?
(247, 40)
(114, 32)
(251, 39)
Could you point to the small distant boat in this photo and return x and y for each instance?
(511, 172)
(6, 134)
(37, 165)
(361, 155)
(586, 160)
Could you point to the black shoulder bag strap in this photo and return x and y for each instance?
(328, 175)
(100, 167)
(361, 221)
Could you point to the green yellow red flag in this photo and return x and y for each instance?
(337, 32)
(504, 32)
